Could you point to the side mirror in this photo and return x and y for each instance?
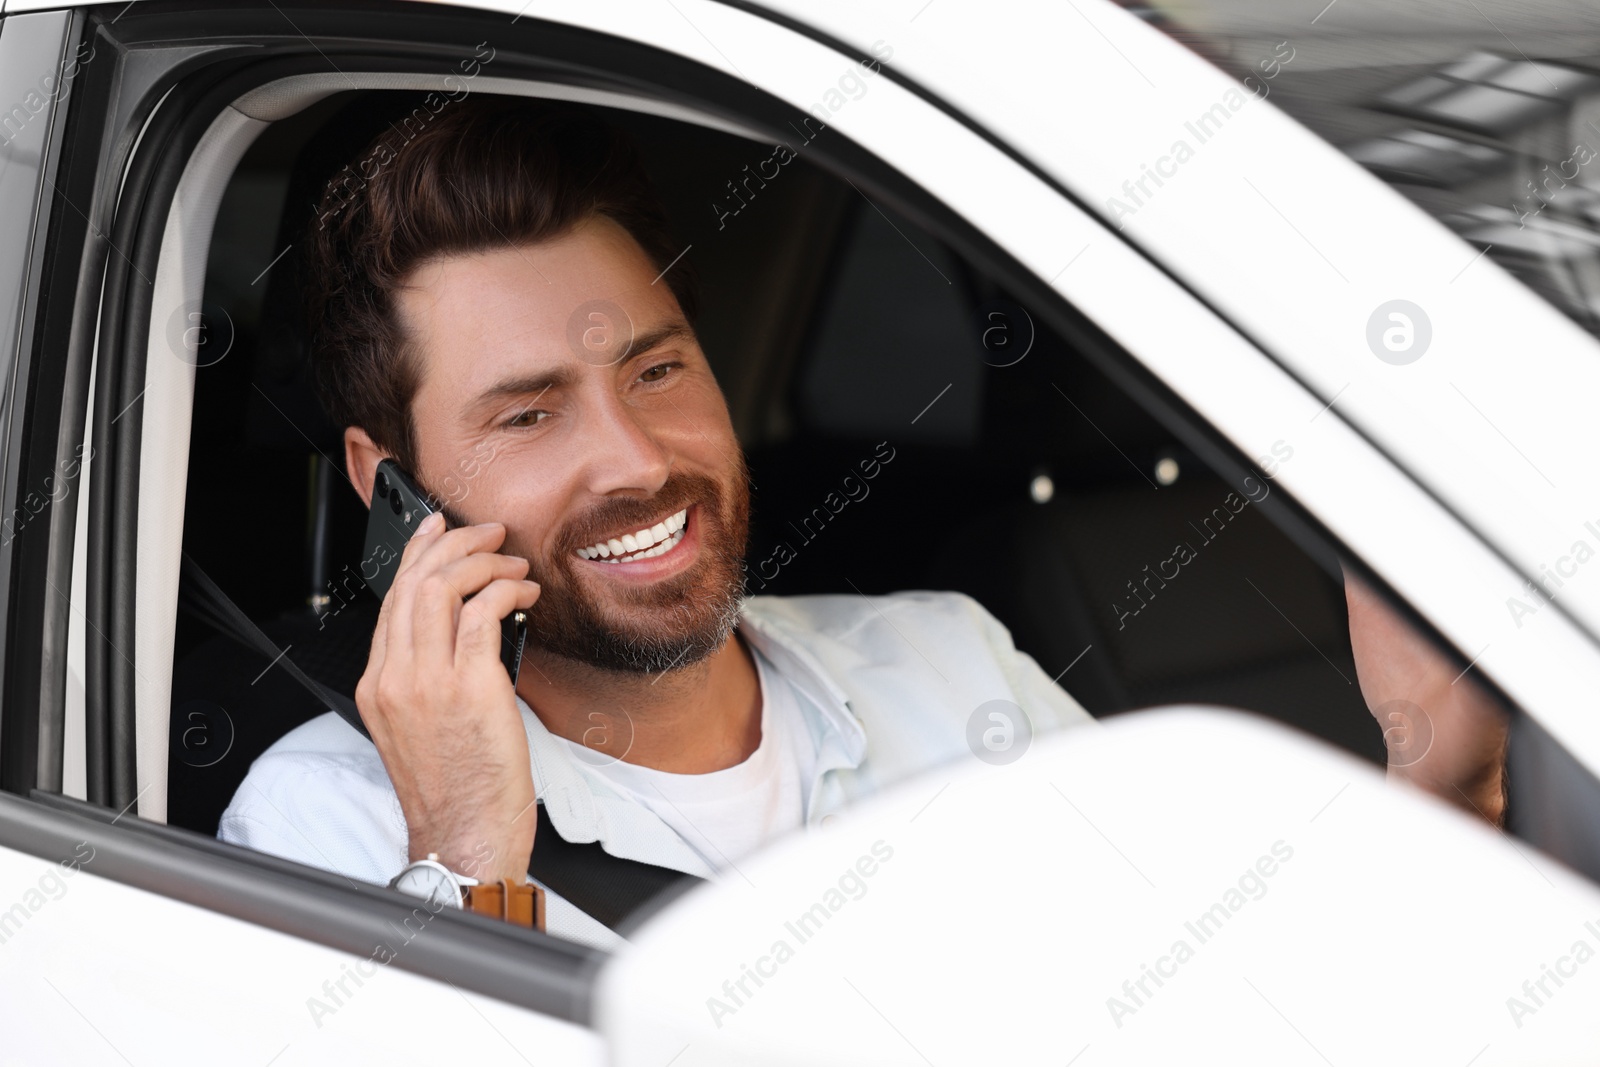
(1172, 886)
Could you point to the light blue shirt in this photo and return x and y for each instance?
(887, 687)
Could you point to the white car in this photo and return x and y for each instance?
(1142, 350)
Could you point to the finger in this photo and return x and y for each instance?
(457, 544)
(492, 613)
(432, 550)
(394, 618)
(377, 650)
(426, 533)
(468, 578)
(468, 575)
(432, 545)
(439, 602)
(479, 635)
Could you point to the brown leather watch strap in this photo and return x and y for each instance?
(520, 904)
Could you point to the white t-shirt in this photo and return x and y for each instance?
(724, 815)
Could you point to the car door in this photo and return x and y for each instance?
(126, 938)
(256, 956)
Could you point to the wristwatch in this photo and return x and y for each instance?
(431, 880)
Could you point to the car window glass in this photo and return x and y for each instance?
(909, 422)
(1485, 115)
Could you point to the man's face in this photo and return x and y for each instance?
(563, 394)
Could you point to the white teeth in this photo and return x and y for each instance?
(649, 553)
(641, 544)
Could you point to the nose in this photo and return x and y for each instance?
(624, 455)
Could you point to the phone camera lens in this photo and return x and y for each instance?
(382, 484)
(394, 500)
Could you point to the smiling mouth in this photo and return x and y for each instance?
(647, 543)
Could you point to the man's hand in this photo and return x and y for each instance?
(440, 708)
(1444, 733)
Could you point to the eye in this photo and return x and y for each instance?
(658, 372)
(526, 418)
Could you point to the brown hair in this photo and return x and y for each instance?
(479, 174)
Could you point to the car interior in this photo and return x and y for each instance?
(1011, 468)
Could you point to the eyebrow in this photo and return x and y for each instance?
(542, 382)
(651, 340)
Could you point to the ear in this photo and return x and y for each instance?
(361, 458)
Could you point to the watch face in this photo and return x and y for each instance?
(430, 882)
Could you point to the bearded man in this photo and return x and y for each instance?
(501, 297)
(500, 302)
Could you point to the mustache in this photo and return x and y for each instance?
(612, 518)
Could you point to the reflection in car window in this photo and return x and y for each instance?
(1486, 115)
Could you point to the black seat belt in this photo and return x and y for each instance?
(207, 600)
(608, 888)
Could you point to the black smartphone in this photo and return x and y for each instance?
(398, 508)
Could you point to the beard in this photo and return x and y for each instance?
(656, 628)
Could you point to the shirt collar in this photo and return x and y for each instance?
(844, 741)
(582, 815)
